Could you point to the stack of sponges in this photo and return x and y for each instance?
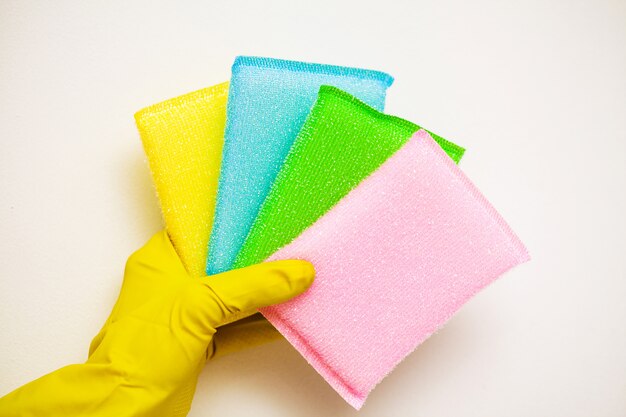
(302, 163)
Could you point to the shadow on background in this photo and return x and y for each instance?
(275, 376)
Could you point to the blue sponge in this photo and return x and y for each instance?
(268, 102)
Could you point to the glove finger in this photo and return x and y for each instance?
(256, 286)
(243, 334)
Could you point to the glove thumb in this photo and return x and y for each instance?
(257, 286)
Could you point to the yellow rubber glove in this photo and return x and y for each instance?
(146, 359)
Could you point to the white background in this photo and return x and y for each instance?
(536, 91)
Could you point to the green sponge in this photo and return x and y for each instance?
(342, 141)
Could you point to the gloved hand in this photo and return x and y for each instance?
(146, 359)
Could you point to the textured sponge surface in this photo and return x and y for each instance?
(395, 259)
(183, 139)
(342, 141)
(269, 100)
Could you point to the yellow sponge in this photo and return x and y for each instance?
(183, 139)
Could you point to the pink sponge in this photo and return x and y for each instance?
(395, 259)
